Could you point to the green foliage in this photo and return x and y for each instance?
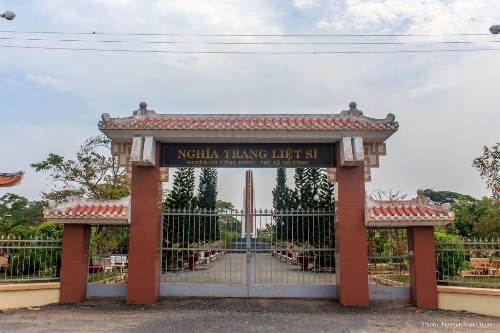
(312, 190)
(48, 230)
(282, 195)
(228, 223)
(207, 189)
(450, 260)
(18, 214)
(93, 173)
(207, 200)
(488, 224)
(181, 195)
(488, 165)
(476, 219)
(441, 197)
(108, 240)
(312, 193)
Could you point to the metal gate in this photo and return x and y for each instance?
(287, 254)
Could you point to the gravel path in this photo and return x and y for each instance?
(233, 315)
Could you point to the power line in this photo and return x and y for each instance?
(237, 35)
(248, 43)
(248, 52)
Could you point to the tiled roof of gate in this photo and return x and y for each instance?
(81, 210)
(404, 213)
(351, 119)
(10, 179)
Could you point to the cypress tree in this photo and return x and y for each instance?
(207, 199)
(179, 229)
(282, 201)
(207, 188)
(281, 193)
(181, 195)
(300, 180)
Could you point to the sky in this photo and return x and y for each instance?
(443, 92)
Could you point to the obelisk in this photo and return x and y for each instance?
(249, 229)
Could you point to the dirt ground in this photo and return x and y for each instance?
(240, 315)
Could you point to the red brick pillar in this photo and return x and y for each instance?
(422, 261)
(351, 236)
(144, 235)
(74, 263)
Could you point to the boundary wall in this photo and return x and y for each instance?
(476, 300)
(14, 296)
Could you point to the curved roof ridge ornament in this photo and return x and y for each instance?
(353, 112)
(143, 111)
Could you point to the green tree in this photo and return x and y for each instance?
(476, 219)
(230, 227)
(441, 197)
(488, 165)
(282, 195)
(207, 200)
(300, 199)
(181, 196)
(207, 189)
(282, 202)
(18, 214)
(312, 193)
(94, 173)
(181, 229)
(488, 223)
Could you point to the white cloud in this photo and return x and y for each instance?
(304, 3)
(52, 83)
(424, 17)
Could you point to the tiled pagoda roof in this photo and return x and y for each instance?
(11, 179)
(86, 211)
(418, 211)
(350, 120)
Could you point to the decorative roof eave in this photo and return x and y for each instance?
(11, 179)
(79, 210)
(419, 211)
(89, 221)
(405, 224)
(249, 126)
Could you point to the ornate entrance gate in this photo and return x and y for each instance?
(350, 143)
(204, 254)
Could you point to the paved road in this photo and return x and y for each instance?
(231, 315)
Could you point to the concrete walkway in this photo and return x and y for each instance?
(231, 268)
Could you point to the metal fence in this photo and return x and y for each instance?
(29, 260)
(108, 257)
(388, 258)
(282, 248)
(468, 263)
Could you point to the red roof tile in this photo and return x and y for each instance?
(85, 211)
(404, 213)
(11, 179)
(352, 119)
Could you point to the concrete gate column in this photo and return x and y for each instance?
(351, 236)
(422, 262)
(74, 263)
(144, 235)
